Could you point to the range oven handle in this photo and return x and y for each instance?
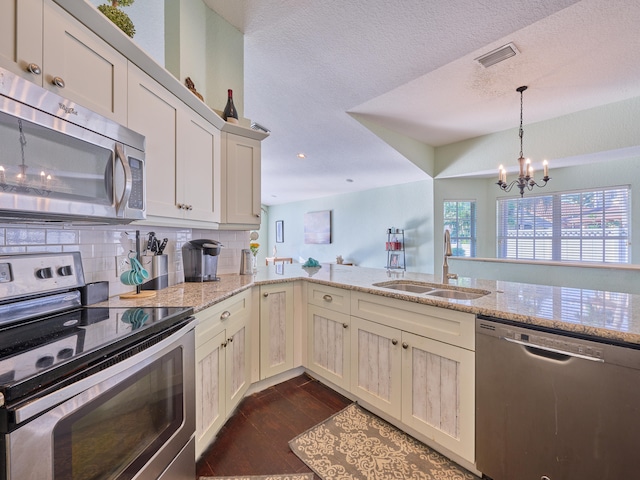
(128, 181)
(530, 346)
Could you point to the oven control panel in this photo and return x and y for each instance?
(30, 274)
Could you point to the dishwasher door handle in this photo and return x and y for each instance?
(553, 350)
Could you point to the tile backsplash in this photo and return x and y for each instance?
(101, 245)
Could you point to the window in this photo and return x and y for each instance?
(588, 226)
(460, 219)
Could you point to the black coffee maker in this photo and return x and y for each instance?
(200, 260)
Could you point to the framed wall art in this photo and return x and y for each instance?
(279, 231)
(317, 227)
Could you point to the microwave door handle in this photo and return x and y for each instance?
(128, 182)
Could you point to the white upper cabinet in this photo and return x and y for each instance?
(182, 153)
(21, 37)
(42, 43)
(243, 180)
(153, 112)
(197, 167)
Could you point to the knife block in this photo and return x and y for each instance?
(159, 273)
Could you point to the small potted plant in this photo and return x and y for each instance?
(118, 17)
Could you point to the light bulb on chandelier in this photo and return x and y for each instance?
(526, 176)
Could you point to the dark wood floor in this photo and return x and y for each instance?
(255, 440)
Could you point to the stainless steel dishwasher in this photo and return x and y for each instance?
(552, 406)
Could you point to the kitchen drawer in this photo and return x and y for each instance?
(452, 327)
(331, 298)
(214, 319)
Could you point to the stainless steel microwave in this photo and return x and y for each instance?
(62, 162)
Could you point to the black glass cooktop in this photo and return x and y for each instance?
(39, 353)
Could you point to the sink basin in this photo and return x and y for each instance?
(456, 294)
(407, 287)
(434, 289)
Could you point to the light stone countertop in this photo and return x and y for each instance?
(608, 315)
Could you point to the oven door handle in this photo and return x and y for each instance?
(128, 181)
(552, 350)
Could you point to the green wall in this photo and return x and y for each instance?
(201, 45)
(359, 225)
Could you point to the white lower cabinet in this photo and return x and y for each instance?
(375, 365)
(222, 364)
(276, 329)
(329, 347)
(438, 392)
(426, 383)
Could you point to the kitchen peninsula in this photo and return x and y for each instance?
(372, 343)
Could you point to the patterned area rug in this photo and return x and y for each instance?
(295, 476)
(355, 444)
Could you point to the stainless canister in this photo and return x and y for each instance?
(245, 262)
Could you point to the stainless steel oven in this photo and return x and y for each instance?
(63, 162)
(91, 392)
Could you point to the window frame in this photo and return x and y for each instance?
(473, 222)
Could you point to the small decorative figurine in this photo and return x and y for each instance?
(192, 87)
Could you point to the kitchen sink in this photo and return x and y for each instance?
(434, 289)
(407, 287)
(404, 286)
(456, 294)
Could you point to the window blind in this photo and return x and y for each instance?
(586, 226)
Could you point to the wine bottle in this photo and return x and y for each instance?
(230, 113)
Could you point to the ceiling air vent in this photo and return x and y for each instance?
(499, 54)
(260, 128)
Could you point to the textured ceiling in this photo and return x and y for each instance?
(312, 67)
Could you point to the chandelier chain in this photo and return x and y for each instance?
(521, 133)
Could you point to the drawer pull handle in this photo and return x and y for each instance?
(34, 68)
(58, 82)
(327, 298)
(345, 325)
(394, 341)
(405, 345)
(226, 314)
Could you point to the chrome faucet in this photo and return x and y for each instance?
(446, 276)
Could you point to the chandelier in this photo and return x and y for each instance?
(526, 177)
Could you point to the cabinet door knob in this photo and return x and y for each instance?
(34, 68)
(394, 341)
(257, 215)
(189, 207)
(179, 205)
(224, 345)
(405, 345)
(226, 314)
(230, 340)
(265, 294)
(327, 298)
(345, 325)
(58, 82)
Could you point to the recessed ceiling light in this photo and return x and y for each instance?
(350, 180)
(301, 155)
